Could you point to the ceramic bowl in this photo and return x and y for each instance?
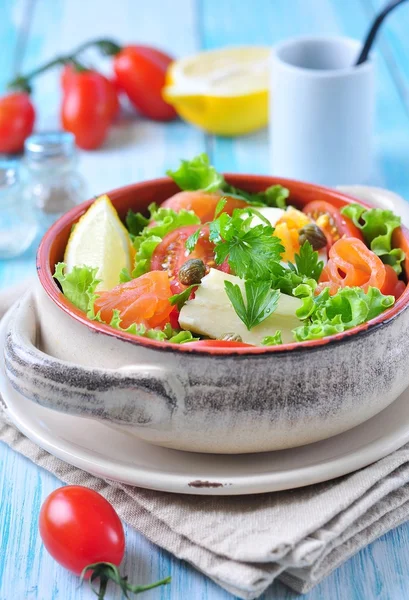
(208, 400)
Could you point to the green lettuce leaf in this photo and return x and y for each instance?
(167, 334)
(79, 285)
(377, 226)
(325, 315)
(199, 174)
(164, 220)
(273, 340)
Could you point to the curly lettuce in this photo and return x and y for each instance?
(377, 226)
(199, 174)
(162, 221)
(325, 315)
(79, 287)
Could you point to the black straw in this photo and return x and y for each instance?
(374, 30)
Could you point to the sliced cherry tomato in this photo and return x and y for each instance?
(89, 105)
(171, 254)
(174, 318)
(218, 344)
(17, 118)
(141, 74)
(79, 527)
(350, 264)
(144, 300)
(392, 285)
(203, 204)
(334, 224)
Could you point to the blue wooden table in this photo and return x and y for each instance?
(32, 31)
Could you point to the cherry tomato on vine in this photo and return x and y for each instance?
(79, 527)
(17, 118)
(140, 72)
(89, 105)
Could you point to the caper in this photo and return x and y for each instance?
(192, 271)
(231, 337)
(313, 234)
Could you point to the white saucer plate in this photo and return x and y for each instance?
(108, 453)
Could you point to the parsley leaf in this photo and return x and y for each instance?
(220, 206)
(307, 262)
(192, 240)
(307, 270)
(183, 297)
(261, 301)
(251, 252)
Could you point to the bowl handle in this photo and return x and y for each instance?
(138, 395)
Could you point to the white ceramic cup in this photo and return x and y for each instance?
(321, 111)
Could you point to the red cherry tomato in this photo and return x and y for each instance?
(218, 344)
(141, 72)
(112, 104)
(88, 107)
(392, 285)
(203, 204)
(171, 254)
(79, 527)
(334, 224)
(17, 118)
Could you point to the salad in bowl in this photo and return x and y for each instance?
(217, 313)
(215, 265)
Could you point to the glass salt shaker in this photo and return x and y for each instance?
(53, 185)
(18, 226)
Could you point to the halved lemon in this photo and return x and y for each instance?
(224, 92)
(100, 240)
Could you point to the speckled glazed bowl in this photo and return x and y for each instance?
(207, 400)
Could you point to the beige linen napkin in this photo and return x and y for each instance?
(243, 543)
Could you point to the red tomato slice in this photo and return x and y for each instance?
(392, 285)
(143, 300)
(334, 224)
(351, 264)
(171, 254)
(203, 204)
(79, 527)
(218, 344)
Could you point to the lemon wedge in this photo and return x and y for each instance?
(100, 240)
(224, 92)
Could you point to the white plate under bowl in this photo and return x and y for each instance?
(108, 453)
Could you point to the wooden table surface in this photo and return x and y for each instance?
(31, 31)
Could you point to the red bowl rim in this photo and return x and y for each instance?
(49, 285)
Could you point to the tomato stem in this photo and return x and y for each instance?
(106, 47)
(106, 572)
